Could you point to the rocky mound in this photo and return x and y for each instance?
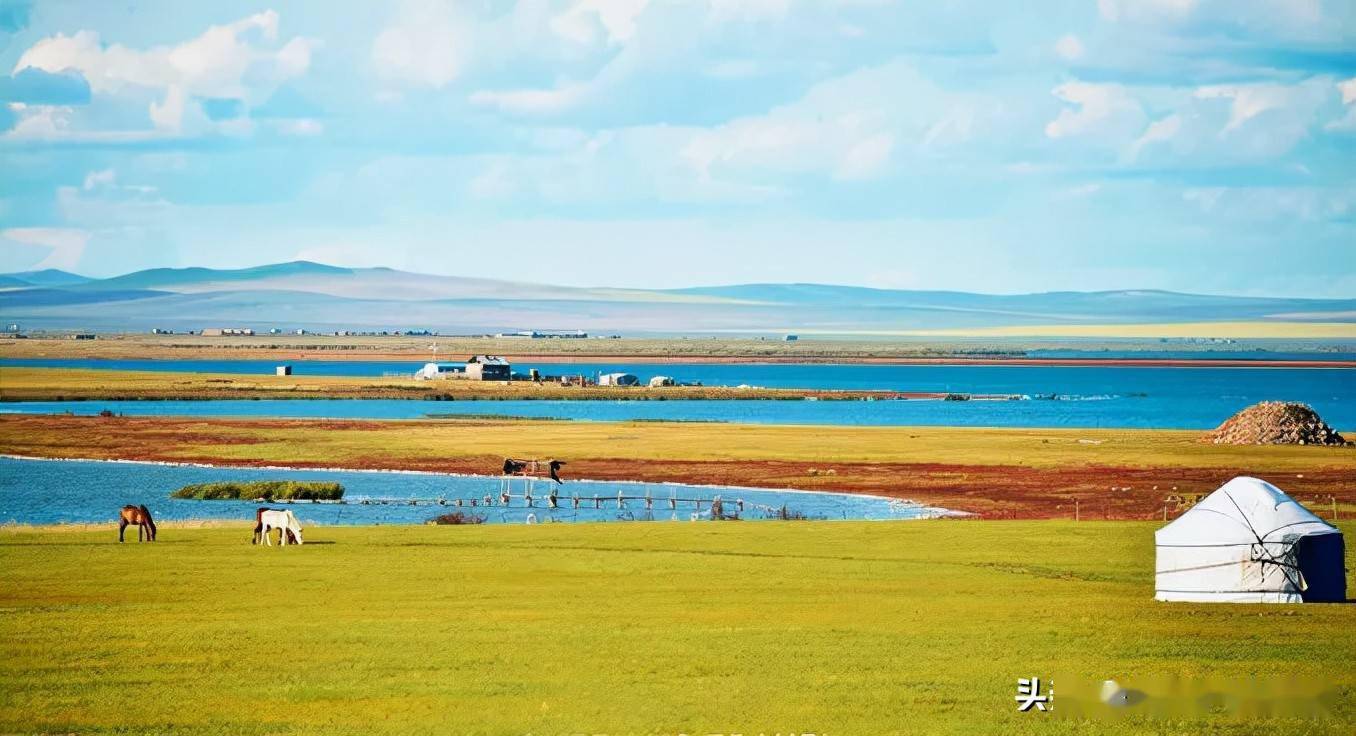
(1275, 423)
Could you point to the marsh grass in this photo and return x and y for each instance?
(267, 490)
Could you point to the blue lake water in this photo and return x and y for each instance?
(79, 491)
(1087, 396)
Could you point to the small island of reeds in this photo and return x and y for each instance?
(268, 490)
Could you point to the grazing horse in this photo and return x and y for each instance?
(259, 527)
(284, 521)
(139, 515)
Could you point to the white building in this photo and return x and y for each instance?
(432, 371)
(618, 379)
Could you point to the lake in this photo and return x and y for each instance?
(82, 491)
(1086, 396)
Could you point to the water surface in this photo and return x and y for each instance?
(81, 491)
(1085, 396)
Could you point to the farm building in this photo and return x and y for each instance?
(660, 381)
(618, 379)
(540, 335)
(440, 370)
(488, 368)
(227, 331)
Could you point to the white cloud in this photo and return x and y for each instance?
(1070, 48)
(588, 21)
(301, 127)
(40, 122)
(1264, 120)
(225, 61)
(846, 127)
(1215, 124)
(1101, 111)
(867, 158)
(101, 201)
(532, 101)
(1348, 90)
(66, 245)
(239, 60)
(1247, 102)
(427, 45)
(96, 179)
(1159, 131)
(169, 115)
(1347, 122)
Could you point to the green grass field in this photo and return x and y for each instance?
(827, 628)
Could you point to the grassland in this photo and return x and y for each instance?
(995, 472)
(66, 384)
(774, 627)
(1256, 329)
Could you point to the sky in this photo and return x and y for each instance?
(1192, 145)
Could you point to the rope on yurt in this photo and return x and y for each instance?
(1281, 561)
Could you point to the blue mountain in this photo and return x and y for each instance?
(319, 296)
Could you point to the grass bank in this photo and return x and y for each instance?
(829, 628)
(66, 384)
(1095, 473)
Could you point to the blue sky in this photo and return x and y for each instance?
(1193, 145)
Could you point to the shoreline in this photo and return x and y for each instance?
(453, 474)
(993, 473)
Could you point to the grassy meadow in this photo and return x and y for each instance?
(804, 627)
(74, 384)
(351, 442)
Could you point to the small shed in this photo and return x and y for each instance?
(618, 379)
(284, 370)
(488, 368)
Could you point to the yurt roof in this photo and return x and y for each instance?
(1242, 511)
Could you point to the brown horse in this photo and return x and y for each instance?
(139, 515)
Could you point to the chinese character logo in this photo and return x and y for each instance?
(1029, 695)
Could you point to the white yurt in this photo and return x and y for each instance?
(1249, 542)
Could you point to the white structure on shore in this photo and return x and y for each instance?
(432, 371)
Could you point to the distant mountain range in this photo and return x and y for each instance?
(319, 297)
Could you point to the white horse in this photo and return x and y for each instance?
(284, 520)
